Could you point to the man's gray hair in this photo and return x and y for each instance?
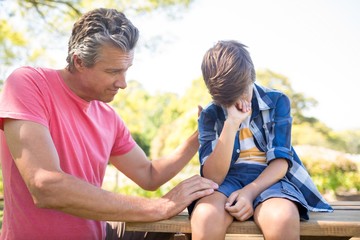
(98, 28)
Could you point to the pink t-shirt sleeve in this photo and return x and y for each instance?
(124, 141)
(23, 91)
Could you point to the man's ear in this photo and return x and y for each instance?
(78, 63)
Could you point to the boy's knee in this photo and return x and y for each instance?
(277, 221)
(204, 213)
(209, 220)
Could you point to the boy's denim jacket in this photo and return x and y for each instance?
(270, 125)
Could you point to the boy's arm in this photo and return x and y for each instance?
(243, 198)
(218, 162)
(276, 169)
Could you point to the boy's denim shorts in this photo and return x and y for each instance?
(241, 174)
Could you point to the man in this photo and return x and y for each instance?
(59, 134)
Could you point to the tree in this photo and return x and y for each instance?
(144, 114)
(299, 102)
(74, 7)
(43, 25)
(181, 119)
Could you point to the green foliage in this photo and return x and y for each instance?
(117, 182)
(308, 134)
(75, 8)
(10, 41)
(133, 189)
(341, 174)
(176, 119)
(347, 141)
(1, 184)
(9, 34)
(145, 114)
(160, 122)
(317, 134)
(59, 16)
(307, 129)
(176, 130)
(299, 102)
(40, 23)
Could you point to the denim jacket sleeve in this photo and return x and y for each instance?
(277, 127)
(210, 125)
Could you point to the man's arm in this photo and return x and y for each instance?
(150, 175)
(36, 158)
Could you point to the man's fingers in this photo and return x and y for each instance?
(188, 191)
(200, 108)
(197, 183)
(192, 189)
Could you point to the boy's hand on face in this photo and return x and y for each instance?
(243, 105)
(239, 111)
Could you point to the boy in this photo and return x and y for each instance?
(245, 147)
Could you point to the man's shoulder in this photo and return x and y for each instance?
(33, 70)
(28, 73)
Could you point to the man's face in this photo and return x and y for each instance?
(103, 80)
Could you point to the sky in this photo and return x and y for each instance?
(314, 43)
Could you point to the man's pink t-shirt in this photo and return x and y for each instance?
(85, 135)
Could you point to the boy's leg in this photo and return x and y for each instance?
(116, 231)
(278, 218)
(209, 220)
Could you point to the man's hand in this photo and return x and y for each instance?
(200, 108)
(185, 193)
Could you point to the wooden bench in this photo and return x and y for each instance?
(343, 223)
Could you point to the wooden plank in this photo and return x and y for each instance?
(338, 223)
(346, 205)
(343, 222)
(346, 208)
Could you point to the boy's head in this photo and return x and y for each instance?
(228, 72)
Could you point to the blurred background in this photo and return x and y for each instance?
(309, 49)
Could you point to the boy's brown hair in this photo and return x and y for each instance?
(228, 71)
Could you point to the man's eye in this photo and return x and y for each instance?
(113, 72)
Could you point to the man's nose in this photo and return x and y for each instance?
(120, 82)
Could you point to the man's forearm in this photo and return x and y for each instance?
(167, 167)
(63, 192)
